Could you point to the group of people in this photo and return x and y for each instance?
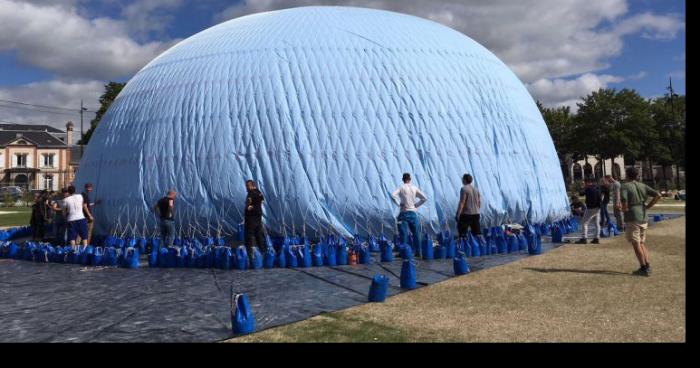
(629, 208)
(69, 215)
(74, 212)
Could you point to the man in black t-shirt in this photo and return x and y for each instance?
(253, 218)
(165, 208)
(593, 201)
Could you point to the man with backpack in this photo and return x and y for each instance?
(633, 196)
(593, 200)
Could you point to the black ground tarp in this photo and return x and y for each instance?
(64, 303)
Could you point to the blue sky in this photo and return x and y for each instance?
(57, 52)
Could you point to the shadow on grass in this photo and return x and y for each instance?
(573, 270)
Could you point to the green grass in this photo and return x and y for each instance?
(20, 217)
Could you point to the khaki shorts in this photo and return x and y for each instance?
(636, 232)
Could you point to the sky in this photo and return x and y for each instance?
(59, 52)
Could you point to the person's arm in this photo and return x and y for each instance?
(478, 199)
(85, 208)
(618, 204)
(395, 196)
(623, 200)
(462, 202)
(422, 196)
(657, 197)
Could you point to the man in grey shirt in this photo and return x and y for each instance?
(617, 203)
(468, 209)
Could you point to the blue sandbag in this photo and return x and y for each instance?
(476, 246)
(522, 242)
(658, 218)
(557, 234)
(604, 232)
(242, 318)
(281, 259)
(408, 274)
(269, 257)
(460, 265)
(407, 252)
(317, 255)
(450, 248)
(534, 244)
(512, 244)
(427, 248)
(465, 246)
(378, 289)
(171, 258)
(97, 257)
(41, 254)
(439, 252)
(13, 251)
(153, 258)
(342, 255)
(612, 229)
(131, 258)
(181, 260)
(387, 250)
(220, 241)
(501, 245)
(292, 261)
(365, 255)
(111, 256)
(373, 244)
(304, 255)
(163, 257)
(257, 261)
(241, 258)
(142, 242)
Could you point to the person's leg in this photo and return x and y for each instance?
(632, 233)
(72, 234)
(475, 225)
(587, 216)
(260, 238)
(642, 243)
(91, 225)
(596, 219)
(249, 236)
(83, 231)
(463, 225)
(170, 233)
(402, 223)
(414, 225)
(619, 220)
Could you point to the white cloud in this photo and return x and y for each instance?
(567, 92)
(52, 93)
(146, 17)
(537, 39)
(57, 39)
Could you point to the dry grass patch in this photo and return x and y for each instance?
(576, 293)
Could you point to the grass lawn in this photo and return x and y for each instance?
(14, 216)
(576, 293)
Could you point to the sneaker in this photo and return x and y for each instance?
(595, 241)
(582, 241)
(641, 272)
(648, 270)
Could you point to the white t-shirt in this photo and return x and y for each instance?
(74, 206)
(405, 197)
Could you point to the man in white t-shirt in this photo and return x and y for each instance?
(405, 197)
(75, 211)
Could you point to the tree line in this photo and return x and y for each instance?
(610, 123)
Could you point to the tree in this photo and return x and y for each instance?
(112, 90)
(668, 113)
(559, 121)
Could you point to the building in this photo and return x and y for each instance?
(36, 157)
(595, 168)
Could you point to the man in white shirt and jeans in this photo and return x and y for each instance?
(405, 197)
(76, 210)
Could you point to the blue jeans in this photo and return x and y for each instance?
(408, 220)
(167, 232)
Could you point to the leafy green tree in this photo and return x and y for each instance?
(112, 90)
(668, 113)
(559, 121)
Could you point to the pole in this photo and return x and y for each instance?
(81, 128)
(673, 124)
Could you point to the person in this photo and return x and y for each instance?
(617, 205)
(468, 209)
(38, 218)
(253, 218)
(605, 201)
(75, 210)
(593, 201)
(633, 196)
(165, 208)
(578, 208)
(87, 199)
(59, 217)
(405, 197)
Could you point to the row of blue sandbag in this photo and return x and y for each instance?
(15, 232)
(83, 255)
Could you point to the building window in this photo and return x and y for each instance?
(48, 181)
(21, 160)
(48, 159)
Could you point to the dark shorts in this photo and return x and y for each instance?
(77, 228)
(469, 221)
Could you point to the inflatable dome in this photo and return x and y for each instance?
(325, 107)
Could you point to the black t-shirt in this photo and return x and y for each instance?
(164, 208)
(605, 192)
(255, 199)
(593, 197)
